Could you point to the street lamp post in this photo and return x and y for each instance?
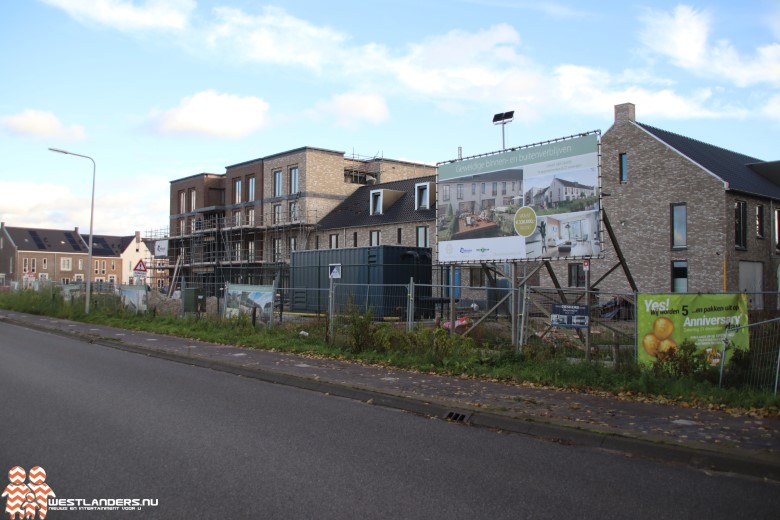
(502, 119)
(91, 221)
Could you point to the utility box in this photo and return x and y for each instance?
(371, 274)
(193, 300)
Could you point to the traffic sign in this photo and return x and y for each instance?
(140, 267)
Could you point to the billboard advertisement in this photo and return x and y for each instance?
(242, 299)
(529, 203)
(665, 321)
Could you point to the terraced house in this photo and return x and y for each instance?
(688, 216)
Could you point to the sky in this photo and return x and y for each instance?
(157, 90)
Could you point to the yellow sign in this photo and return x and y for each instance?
(525, 221)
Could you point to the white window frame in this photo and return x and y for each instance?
(375, 202)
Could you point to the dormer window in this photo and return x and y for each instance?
(422, 198)
(376, 202)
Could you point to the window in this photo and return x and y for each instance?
(354, 239)
(679, 225)
(45, 263)
(334, 241)
(460, 192)
(495, 188)
(103, 267)
(65, 281)
(576, 275)
(740, 224)
(760, 221)
(237, 191)
(81, 264)
(476, 277)
(293, 244)
(277, 213)
(182, 202)
(376, 202)
(374, 238)
(97, 266)
(294, 180)
(473, 188)
(237, 217)
(250, 184)
(66, 264)
(33, 265)
(293, 212)
(250, 217)
(623, 167)
(445, 192)
(422, 236)
(482, 189)
(278, 183)
(399, 239)
(777, 230)
(503, 188)
(421, 200)
(192, 199)
(277, 250)
(679, 276)
(25, 264)
(250, 251)
(113, 265)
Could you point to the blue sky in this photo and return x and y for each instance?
(155, 90)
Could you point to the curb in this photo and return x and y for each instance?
(570, 436)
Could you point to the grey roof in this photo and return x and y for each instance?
(46, 240)
(355, 210)
(742, 173)
(107, 245)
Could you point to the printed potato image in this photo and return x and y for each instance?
(663, 328)
(666, 348)
(650, 344)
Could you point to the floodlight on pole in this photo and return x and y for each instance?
(91, 221)
(502, 118)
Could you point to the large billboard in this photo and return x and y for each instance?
(530, 203)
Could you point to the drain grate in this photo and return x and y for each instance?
(457, 417)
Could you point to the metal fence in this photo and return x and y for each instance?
(497, 316)
(761, 365)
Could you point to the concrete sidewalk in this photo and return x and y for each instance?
(708, 439)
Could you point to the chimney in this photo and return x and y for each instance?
(76, 231)
(625, 112)
(137, 237)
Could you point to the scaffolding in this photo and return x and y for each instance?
(209, 251)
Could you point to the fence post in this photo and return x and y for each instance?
(330, 312)
(410, 306)
(777, 369)
(723, 357)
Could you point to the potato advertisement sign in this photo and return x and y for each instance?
(665, 321)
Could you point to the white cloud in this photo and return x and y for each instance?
(41, 124)
(683, 36)
(351, 108)
(772, 108)
(57, 207)
(587, 90)
(214, 114)
(125, 15)
(274, 37)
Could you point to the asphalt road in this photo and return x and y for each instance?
(108, 424)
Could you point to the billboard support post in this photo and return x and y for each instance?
(514, 308)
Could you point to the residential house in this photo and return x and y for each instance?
(241, 226)
(28, 256)
(687, 215)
